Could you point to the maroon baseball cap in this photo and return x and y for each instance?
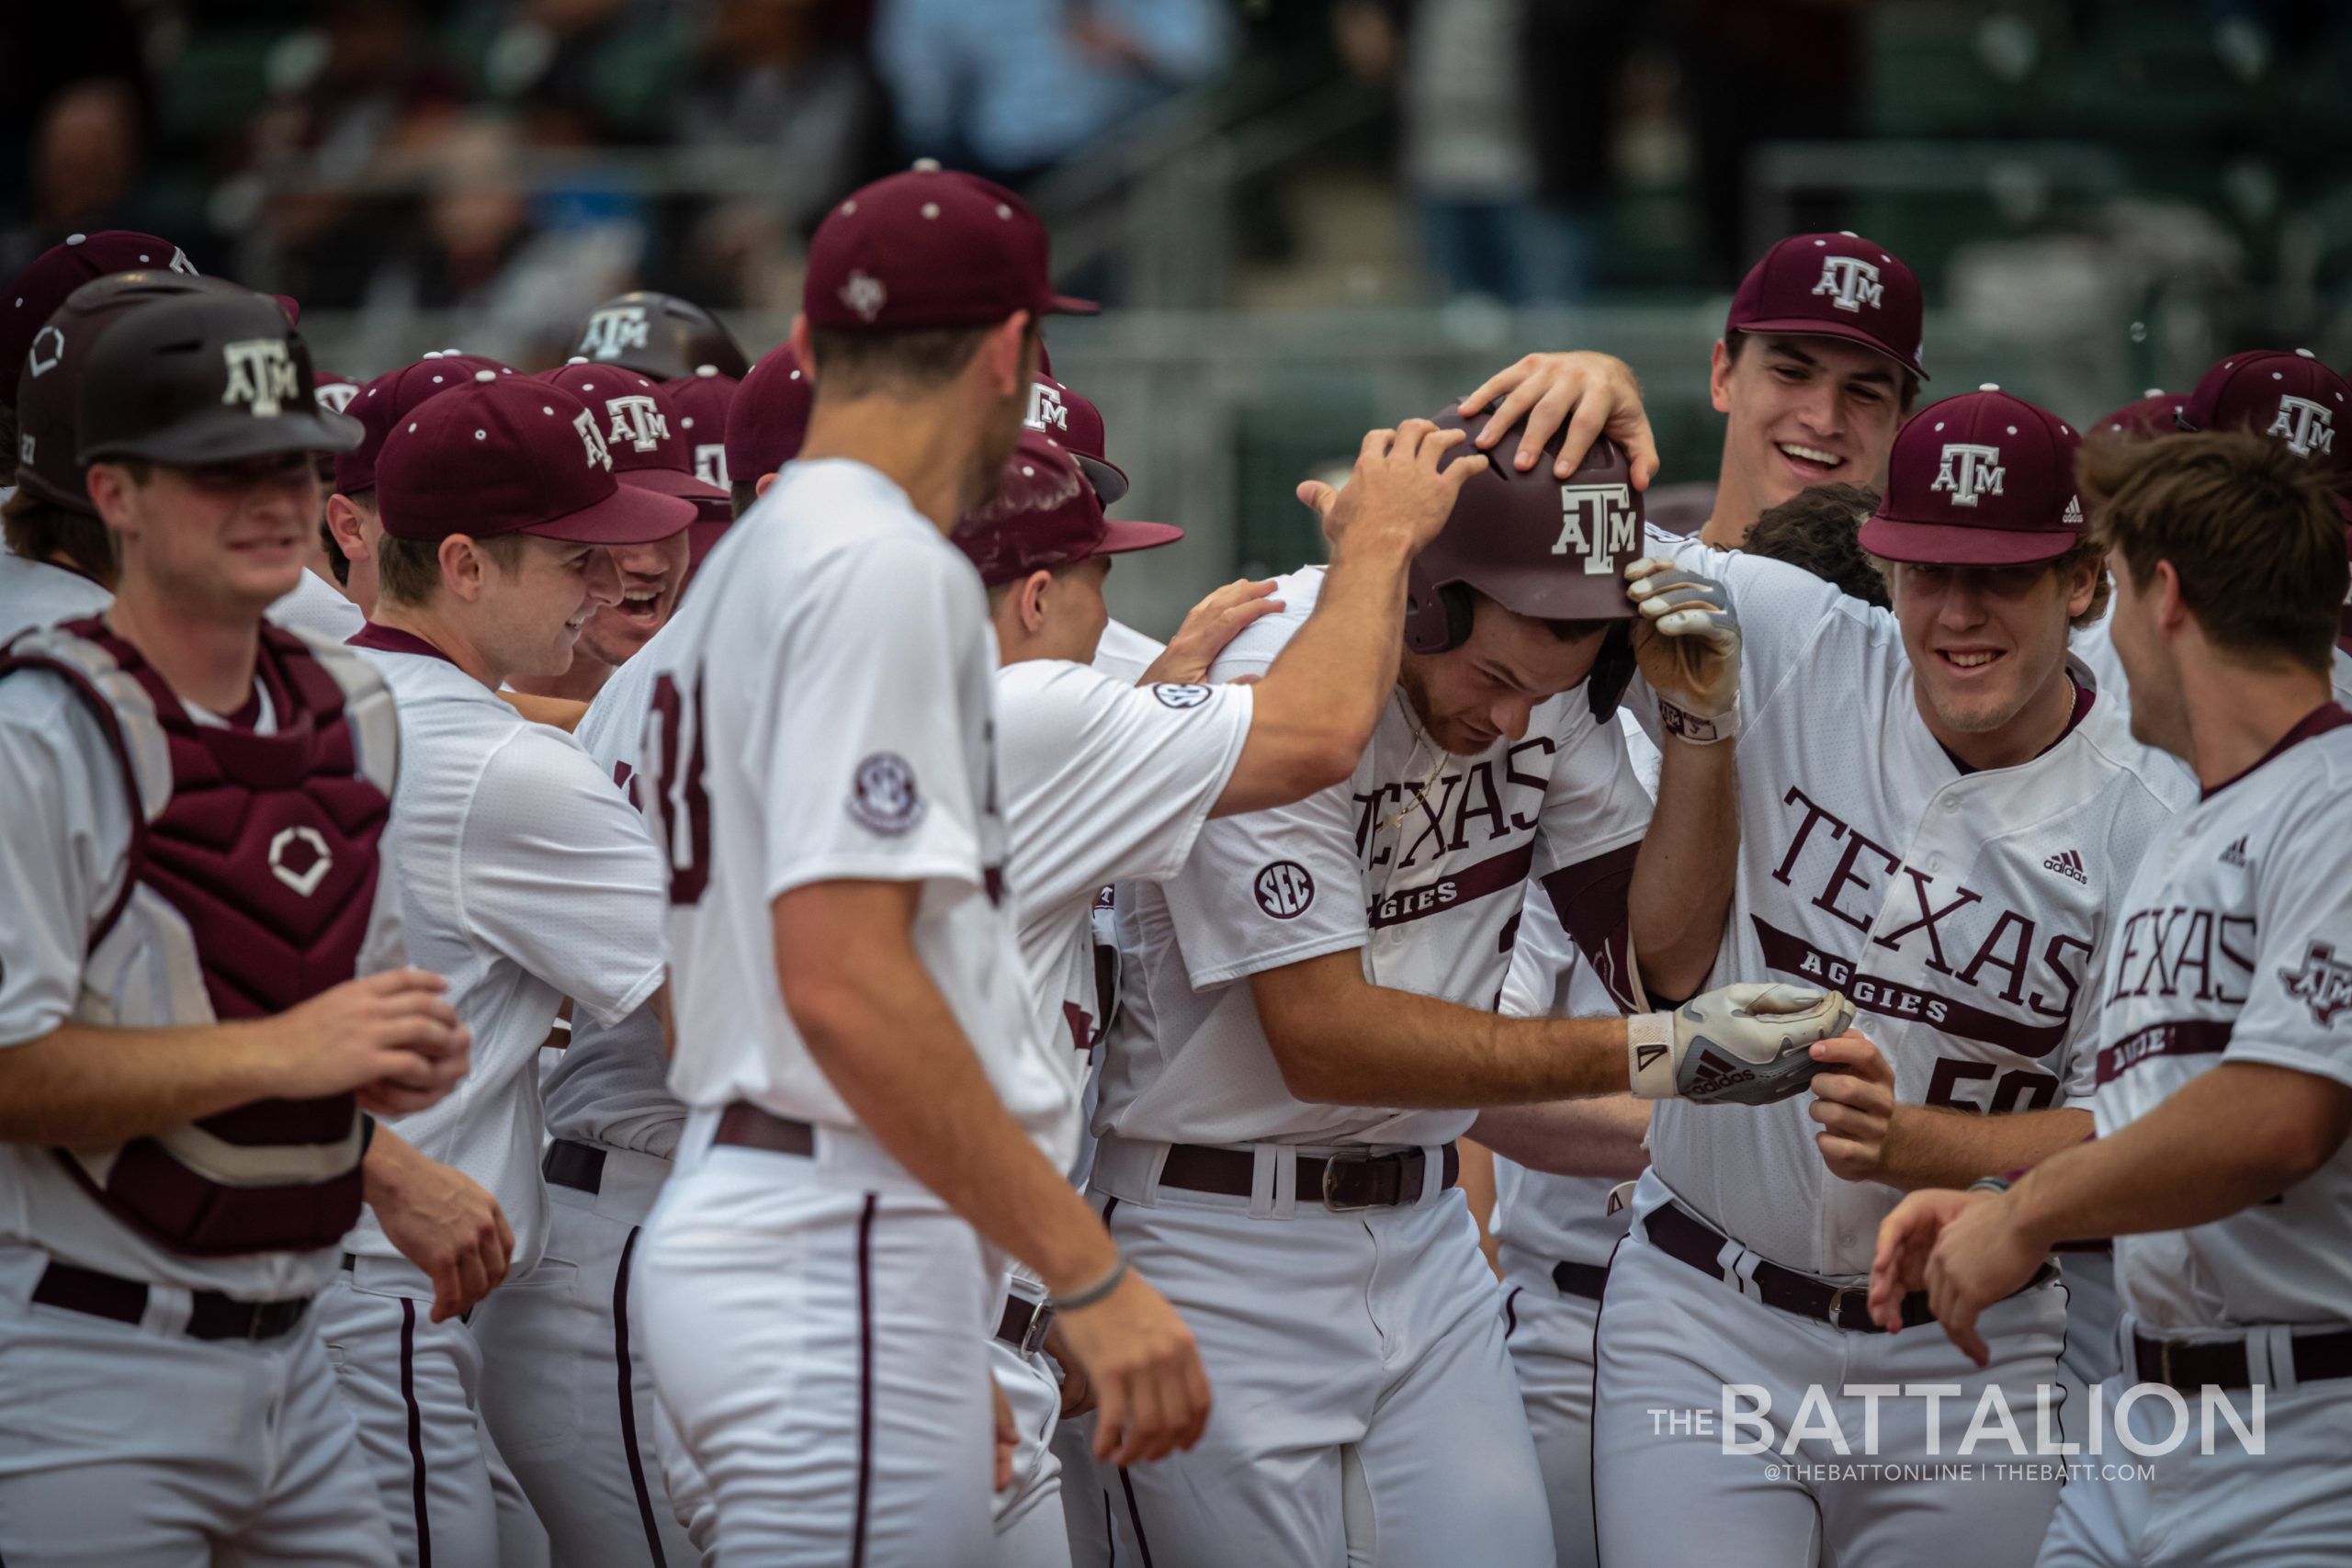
(2155, 412)
(1072, 419)
(1838, 286)
(391, 398)
(769, 417)
(34, 294)
(2291, 398)
(333, 391)
(1046, 515)
(640, 425)
(701, 401)
(1979, 480)
(927, 249)
(514, 456)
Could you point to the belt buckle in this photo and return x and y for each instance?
(1032, 1337)
(1330, 1167)
(2164, 1364)
(1838, 1294)
(257, 1317)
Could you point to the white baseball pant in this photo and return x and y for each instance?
(1030, 1532)
(413, 1385)
(133, 1446)
(1548, 1331)
(2288, 1506)
(1086, 1501)
(1365, 1405)
(565, 1391)
(813, 1329)
(1672, 1341)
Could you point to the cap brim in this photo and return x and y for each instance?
(702, 536)
(1810, 326)
(1069, 305)
(1958, 544)
(1119, 536)
(232, 437)
(1109, 483)
(670, 481)
(630, 515)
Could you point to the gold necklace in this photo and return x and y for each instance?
(1437, 768)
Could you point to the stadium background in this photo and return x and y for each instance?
(1308, 217)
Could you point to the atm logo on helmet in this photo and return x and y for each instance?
(261, 376)
(1596, 521)
(615, 331)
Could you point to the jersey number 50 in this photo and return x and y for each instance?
(675, 795)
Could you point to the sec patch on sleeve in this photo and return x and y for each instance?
(1283, 890)
(1183, 695)
(883, 796)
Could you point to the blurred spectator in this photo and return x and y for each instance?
(1011, 87)
(84, 162)
(48, 48)
(587, 72)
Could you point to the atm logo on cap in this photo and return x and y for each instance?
(261, 376)
(1850, 283)
(1047, 410)
(1596, 522)
(593, 440)
(614, 331)
(1969, 471)
(635, 419)
(2308, 427)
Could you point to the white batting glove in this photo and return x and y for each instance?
(1745, 1045)
(1686, 643)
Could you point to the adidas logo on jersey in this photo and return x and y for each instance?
(2235, 855)
(2066, 862)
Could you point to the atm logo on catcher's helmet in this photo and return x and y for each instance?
(1596, 521)
(261, 376)
(1969, 471)
(1850, 283)
(1283, 890)
(2323, 984)
(636, 420)
(2307, 427)
(614, 331)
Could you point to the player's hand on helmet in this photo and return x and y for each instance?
(1687, 642)
(1965, 1249)
(389, 1038)
(1397, 485)
(441, 1220)
(1208, 626)
(1152, 1397)
(1592, 394)
(1853, 1098)
(1078, 1389)
(1745, 1045)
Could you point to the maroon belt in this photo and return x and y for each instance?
(745, 1125)
(2190, 1367)
(212, 1317)
(1023, 1325)
(1682, 1235)
(1342, 1181)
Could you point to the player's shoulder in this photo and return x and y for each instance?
(2140, 772)
(537, 762)
(1260, 641)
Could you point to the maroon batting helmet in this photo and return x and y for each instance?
(658, 335)
(1552, 549)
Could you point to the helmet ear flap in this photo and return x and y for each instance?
(1460, 611)
(1437, 618)
(1613, 670)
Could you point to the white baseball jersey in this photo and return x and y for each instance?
(35, 593)
(1418, 860)
(1963, 913)
(826, 711)
(2235, 945)
(612, 1084)
(1125, 653)
(2095, 646)
(525, 879)
(314, 605)
(1547, 1216)
(63, 859)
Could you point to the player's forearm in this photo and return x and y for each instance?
(1331, 681)
(1687, 864)
(81, 1086)
(1581, 1137)
(892, 1049)
(2228, 1139)
(1928, 1147)
(1350, 1042)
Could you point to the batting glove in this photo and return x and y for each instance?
(1686, 643)
(1746, 1045)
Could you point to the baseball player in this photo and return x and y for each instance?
(2224, 1087)
(869, 1096)
(1953, 859)
(699, 406)
(199, 994)
(1071, 418)
(1309, 1008)
(1818, 364)
(766, 425)
(658, 335)
(2291, 399)
(1109, 782)
(528, 881)
(378, 406)
(639, 422)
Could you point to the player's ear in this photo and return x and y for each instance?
(806, 354)
(1033, 600)
(343, 521)
(1719, 376)
(760, 485)
(1006, 357)
(461, 566)
(109, 489)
